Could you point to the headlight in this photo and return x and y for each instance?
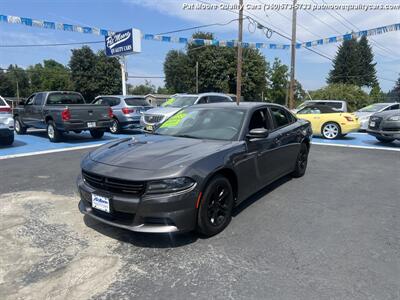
(394, 118)
(169, 185)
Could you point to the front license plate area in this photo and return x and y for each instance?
(372, 124)
(149, 127)
(101, 203)
(91, 124)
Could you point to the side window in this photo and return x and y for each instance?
(396, 106)
(98, 101)
(280, 117)
(259, 119)
(215, 99)
(111, 101)
(309, 110)
(203, 100)
(38, 99)
(29, 101)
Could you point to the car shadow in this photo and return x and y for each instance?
(16, 144)
(394, 144)
(73, 138)
(260, 194)
(144, 240)
(343, 138)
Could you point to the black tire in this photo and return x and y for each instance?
(115, 127)
(215, 212)
(384, 140)
(19, 127)
(77, 131)
(7, 141)
(53, 133)
(331, 130)
(96, 134)
(301, 161)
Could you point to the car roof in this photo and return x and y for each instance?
(122, 96)
(233, 105)
(322, 108)
(203, 94)
(321, 100)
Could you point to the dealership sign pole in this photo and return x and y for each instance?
(121, 44)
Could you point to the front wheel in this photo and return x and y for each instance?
(301, 162)
(384, 140)
(96, 134)
(7, 141)
(19, 128)
(53, 133)
(215, 212)
(331, 130)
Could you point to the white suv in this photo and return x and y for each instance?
(6, 123)
(153, 117)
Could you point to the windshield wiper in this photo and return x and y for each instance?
(187, 136)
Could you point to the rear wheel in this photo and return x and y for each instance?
(115, 127)
(19, 128)
(301, 162)
(384, 140)
(53, 133)
(96, 134)
(77, 131)
(215, 212)
(331, 130)
(7, 141)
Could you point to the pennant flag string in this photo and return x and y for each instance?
(200, 42)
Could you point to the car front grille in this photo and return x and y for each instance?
(153, 119)
(114, 185)
(377, 121)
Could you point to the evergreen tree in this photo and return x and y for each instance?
(394, 94)
(367, 65)
(346, 64)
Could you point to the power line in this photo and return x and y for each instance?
(49, 45)
(198, 27)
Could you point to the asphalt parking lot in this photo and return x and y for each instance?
(333, 234)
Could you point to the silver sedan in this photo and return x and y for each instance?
(366, 112)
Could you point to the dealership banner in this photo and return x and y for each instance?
(123, 42)
(183, 40)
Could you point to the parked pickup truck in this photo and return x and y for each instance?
(61, 112)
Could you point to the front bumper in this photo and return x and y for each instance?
(349, 127)
(162, 213)
(384, 133)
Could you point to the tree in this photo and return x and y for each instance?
(376, 94)
(277, 84)
(6, 85)
(83, 72)
(394, 94)
(367, 66)
(217, 69)
(142, 89)
(51, 76)
(346, 64)
(108, 69)
(354, 64)
(356, 98)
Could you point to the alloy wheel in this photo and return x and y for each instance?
(218, 205)
(330, 131)
(50, 131)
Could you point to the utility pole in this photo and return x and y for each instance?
(197, 77)
(239, 55)
(17, 89)
(293, 57)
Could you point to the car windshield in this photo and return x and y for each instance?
(136, 102)
(65, 98)
(204, 123)
(373, 108)
(2, 103)
(180, 101)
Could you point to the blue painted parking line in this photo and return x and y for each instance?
(36, 142)
(357, 140)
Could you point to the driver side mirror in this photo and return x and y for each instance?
(258, 133)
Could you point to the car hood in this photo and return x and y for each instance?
(165, 111)
(387, 113)
(361, 114)
(155, 152)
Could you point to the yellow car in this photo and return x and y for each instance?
(329, 123)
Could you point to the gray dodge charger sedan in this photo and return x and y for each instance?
(194, 168)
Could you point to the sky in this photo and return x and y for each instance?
(157, 16)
